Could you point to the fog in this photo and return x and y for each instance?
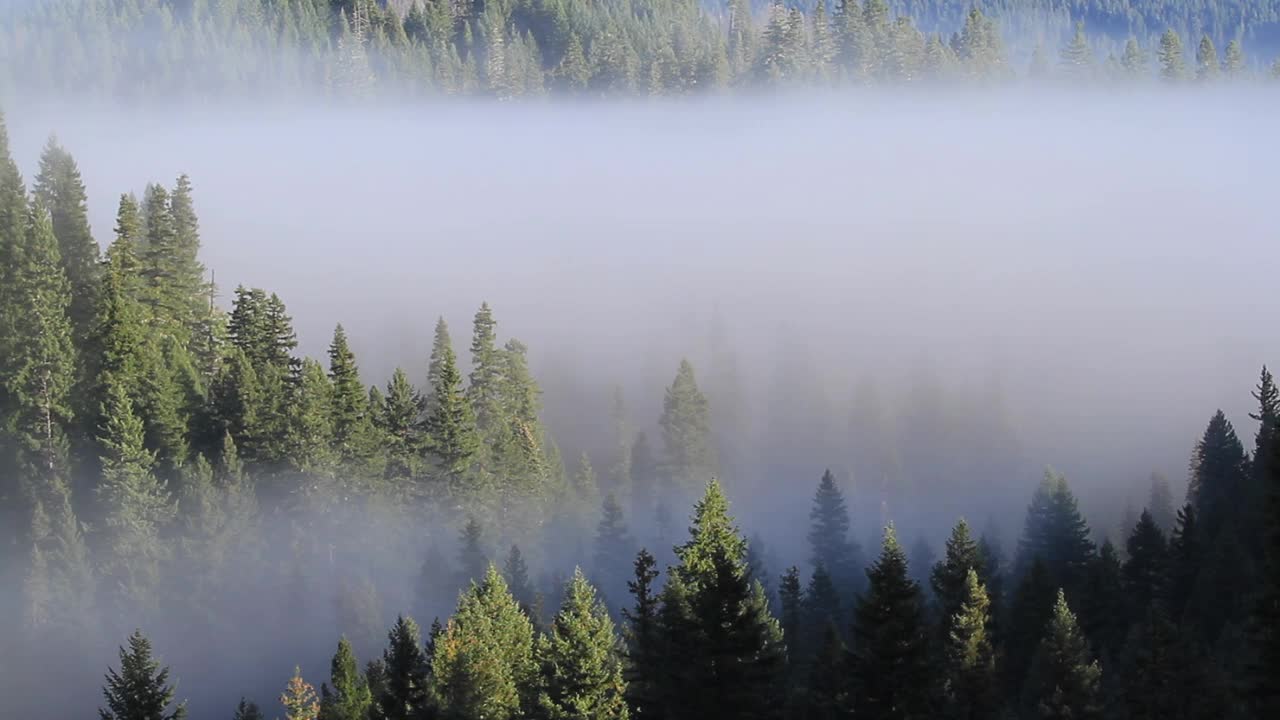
(1074, 280)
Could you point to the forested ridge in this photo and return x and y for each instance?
(206, 49)
(171, 468)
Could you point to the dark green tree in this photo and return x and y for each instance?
(349, 404)
(1219, 476)
(1066, 684)
(890, 660)
(472, 559)
(686, 431)
(141, 689)
(830, 544)
(450, 425)
(970, 689)
(1146, 567)
(1029, 614)
(612, 551)
(405, 691)
(516, 572)
(1056, 533)
(1184, 561)
(643, 640)
(247, 710)
(400, 424)
(1172, 62)
(949, 577)
(60, 190)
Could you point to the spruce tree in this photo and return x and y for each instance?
(1029, 614)
(1206, 60)
(348, 403)
(612, 551)
(516, 572)
(790, 616)
(346, 696)
(484, 384)
(141, 689)
(971, 686)
(400, 423)
(686, 431)
(1146, 568)
(1185, 556)
(472, 559)
(405, 691)
(1103, 601)
(643, 640)
(1076, 56)
(579, 661)
(889, 654)
(1160, 503)
(949, 577)
(1172, 63)
(483, 665)
(1066, 684)
(299, 699)
(59, 188)
(1233, 60)
(1219, 476)
(247, 710)
(1056, 533)
(1263, 682)
(310, 427)
(450, 425)
(830, 545)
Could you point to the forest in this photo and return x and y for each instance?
(199, 520)
(202, 50)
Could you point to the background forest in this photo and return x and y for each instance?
(194, 49)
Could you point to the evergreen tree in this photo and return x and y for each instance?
(1172, 63)
(299, 699)
(1076, 56)
(405, 690)
(472, 560)
(890, 655)
(516, 573)
(643, 640)
(1065, 682)
(613, 549)
(581, 668)
(141, 689)
(483, 665)
(1219, 475)
(60, 190)
(970, 688)
(485, 382)
(1029, 615)
(949, 577)
(1184, 561)
(1145, 569)
(686, 431)
(400, 423)
(790, 619)
(825, 696)
(1134, 60)
(1056, 533)
(1206, 60)
(829, 543)
(450, 424)
(247, 710)
(736, 653)
(310, 429)
(348, 404)
(1103, 601)
(347, 695)
(1233, 60)
(1160, 503)
(1264, 671)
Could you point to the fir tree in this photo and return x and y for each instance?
(790, 618)
(299, 699)
(1206, 60)
(1066, 683)
(1056, 533)
(1029, 614)
(1160, 503)
(643, 640)
(1233, 60)
(970, 688)
(580, 665)
(949, 577)
(1184, 561)
(612, 551)
(484, 384)
(348, 403)
(483, 665)
(1134, 60)
(247, 710)
(472, 560)
(890, 655)
(1263, 682)
(516, 573)
(1076, 56)
(141, 689)
(829, 543)
(60, 190)
(686, 431)
(400, 423)
(346, 696)
(450, 424)
(1145, 569)
(1172, 64)
(405, 692)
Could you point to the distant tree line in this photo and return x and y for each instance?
(127, 49)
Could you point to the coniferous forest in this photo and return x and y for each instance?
(206, 512)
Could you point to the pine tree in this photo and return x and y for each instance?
(1263, 681)
(299, 699)
(949, 577)
(140, 690)
(1172, 64)
(346, 696)
(247, 710)
(1066, 683)
(1184, 561)
(829, 543)
(1076, 56)
(472, 559)
(579, 660)
(821, 607)
(484, 384)
(405, 692)
(1029, 614)
(970, 689)
(348, 403)
(1233, 60)
(642, 637)
(400, 423)
(1103, 601)
(790, 618)
(1134, 61)
(1056, 533)
(686, 431)
(450, 424)
(516, 572)
(60, 190)
(310, 428)
(644, 474)
(1206, 60)
(483, 665)
(1146, 567)
(1219, 472)
(1160, 503)
(736, 653)
(890, 655)
(613, 550)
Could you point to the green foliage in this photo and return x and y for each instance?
(1056, 533)
(581, 669)
(1065, 681)
(483, 666)
(450, 426)
(405, 690)
(348, 402)
(347, 695)
(829, 543)
(890, 659)
(971, 686)
(686, 431)
(140, 690)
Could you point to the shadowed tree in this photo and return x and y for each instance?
(141, 689)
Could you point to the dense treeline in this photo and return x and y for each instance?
(508, 48)
(168, 464)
